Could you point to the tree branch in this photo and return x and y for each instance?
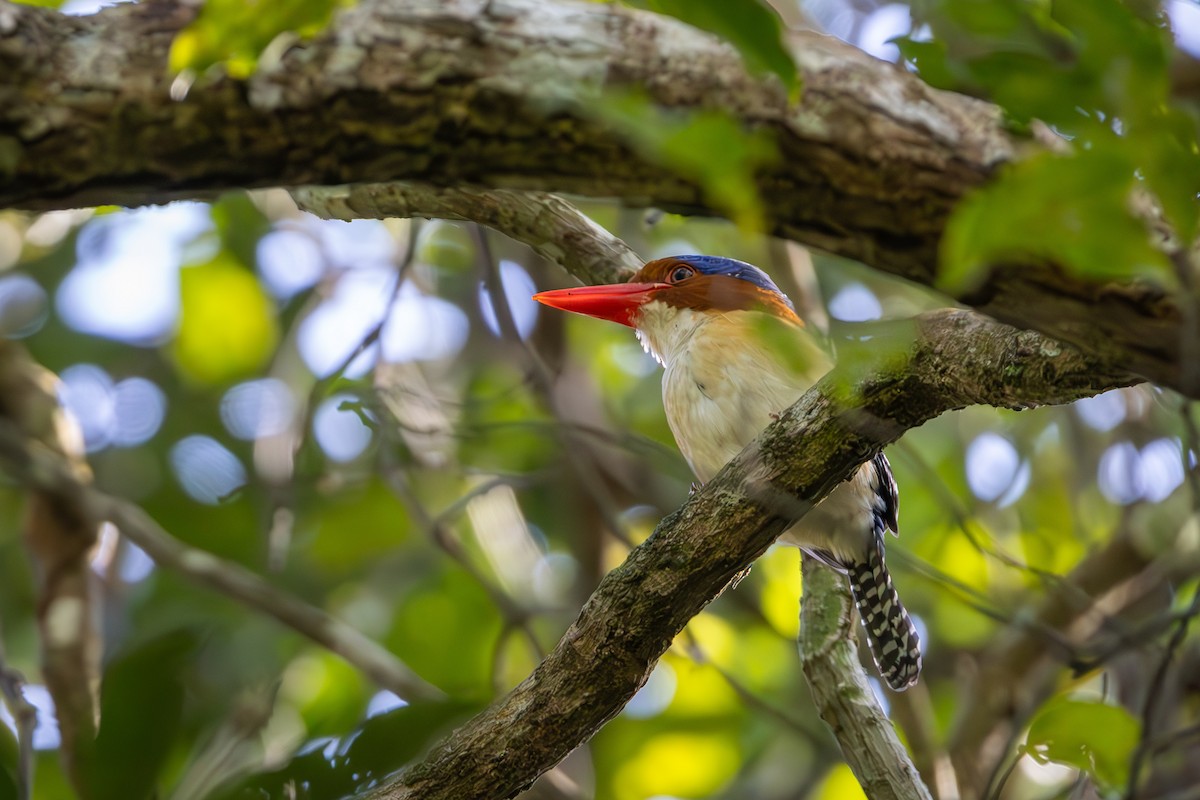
(844, 699)
(639, 607)
(61, 484)
(59, 535)
(247, 588)
(631, 619)
(554, 228)
(502, 94)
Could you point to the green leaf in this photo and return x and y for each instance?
(228, 327)
(1070, 210)
(1092, 736)
(1076, 64)
(235, 32)
(338, 767)
(752, 26)
(710, 148)
(140, 710)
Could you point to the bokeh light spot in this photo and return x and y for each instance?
(336, 327)
(992, 464)
(423, 328)
(518, 294)
(854, 302)
(23, 305)
(87, 393)
(1161, 464)
(206, 469)
(139, 407)
(289, 261)
(655, 695)
(258, 408)
(125, 285)
(383, 702)
(1118, 476)
(882, 25)
(1102, 412)
(340, 432)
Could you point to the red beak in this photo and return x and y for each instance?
(616, 302)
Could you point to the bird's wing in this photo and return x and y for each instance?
(887, 496)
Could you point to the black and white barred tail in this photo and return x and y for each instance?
(890, 633)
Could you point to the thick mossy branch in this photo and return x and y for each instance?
(503, 94)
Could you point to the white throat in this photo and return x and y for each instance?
(665, 331)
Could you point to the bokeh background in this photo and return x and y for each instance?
(340, 407)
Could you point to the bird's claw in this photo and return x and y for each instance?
(738, 578)
(696, 486)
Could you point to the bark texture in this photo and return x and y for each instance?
(501, 94)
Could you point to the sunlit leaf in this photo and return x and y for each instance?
(228, 328)
(679, 765)
(1093, 736)
(840, 784)
(235, 32)
(752, 26)
(1073, 211)
(708, 147)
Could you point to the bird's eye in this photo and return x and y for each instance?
(682, 274)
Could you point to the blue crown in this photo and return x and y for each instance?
(731, 267)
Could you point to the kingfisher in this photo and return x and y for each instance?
(735, 355)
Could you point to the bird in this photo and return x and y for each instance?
(735, 354)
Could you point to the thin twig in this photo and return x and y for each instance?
(515, 614)
(239, 583)
(1154, 694)
(12, 685)
(580, 461)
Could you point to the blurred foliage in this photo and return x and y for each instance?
(1097, 72)
(752, 26)
(373, 447)
(234, 33)
(1092, 736)
(708, 147)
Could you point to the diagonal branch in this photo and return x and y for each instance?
(628, 623)
(61, 489)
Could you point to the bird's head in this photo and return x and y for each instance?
(702, 284)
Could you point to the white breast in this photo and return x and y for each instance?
(726, 377)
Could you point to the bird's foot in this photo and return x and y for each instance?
(738, 578)
(696, 486)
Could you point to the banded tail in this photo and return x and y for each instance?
(890, 632)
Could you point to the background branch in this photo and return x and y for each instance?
(59, 534)
(844, 698)
(48, 474)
